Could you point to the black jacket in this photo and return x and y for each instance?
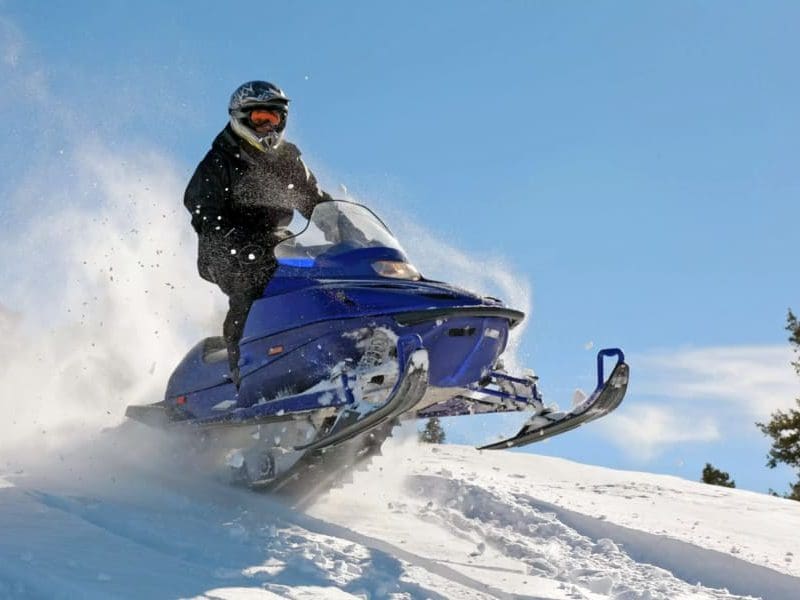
(238, 196)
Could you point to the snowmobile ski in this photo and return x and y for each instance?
(606, 397)
(409, 389)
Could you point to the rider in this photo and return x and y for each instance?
(246, 187)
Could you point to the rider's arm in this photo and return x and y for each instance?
(305, 183)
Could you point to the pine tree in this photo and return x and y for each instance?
(794, 491)
(714, 476)
(784, 426)
(433, 432)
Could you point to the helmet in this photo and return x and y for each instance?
(259, 96)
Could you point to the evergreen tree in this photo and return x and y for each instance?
(784, 426)
(433, 432)
(714, 476)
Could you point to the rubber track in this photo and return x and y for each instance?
(322, 470)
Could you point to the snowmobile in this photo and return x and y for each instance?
(348, 340)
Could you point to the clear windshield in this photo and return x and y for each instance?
(336, 227)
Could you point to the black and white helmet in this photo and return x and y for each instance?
(261, 97)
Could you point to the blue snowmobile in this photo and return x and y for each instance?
(347, 340)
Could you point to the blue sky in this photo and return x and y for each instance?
(634, 164)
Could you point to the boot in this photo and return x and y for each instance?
(234, 374)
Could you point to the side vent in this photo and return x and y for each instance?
(461, 331)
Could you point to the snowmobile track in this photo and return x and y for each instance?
(322, 470)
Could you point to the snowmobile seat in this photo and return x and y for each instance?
(205, 366)
(214, 349)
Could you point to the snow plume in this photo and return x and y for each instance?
(439, 260)
(104, 297)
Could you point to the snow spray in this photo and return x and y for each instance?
(105, 299)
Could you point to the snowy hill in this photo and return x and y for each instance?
(128, 516)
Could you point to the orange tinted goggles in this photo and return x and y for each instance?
(260, 117)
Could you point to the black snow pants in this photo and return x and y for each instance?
(242, 288)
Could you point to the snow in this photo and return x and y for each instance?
(608, 532)
(129, 514)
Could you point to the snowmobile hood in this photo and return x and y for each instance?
(329, 271)
(291, 302)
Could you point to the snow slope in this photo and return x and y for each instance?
(130, 516)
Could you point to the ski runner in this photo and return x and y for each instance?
(246, 187)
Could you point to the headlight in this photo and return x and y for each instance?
(396, 269)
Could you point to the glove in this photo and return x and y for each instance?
(329, 230)
(282, 233)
